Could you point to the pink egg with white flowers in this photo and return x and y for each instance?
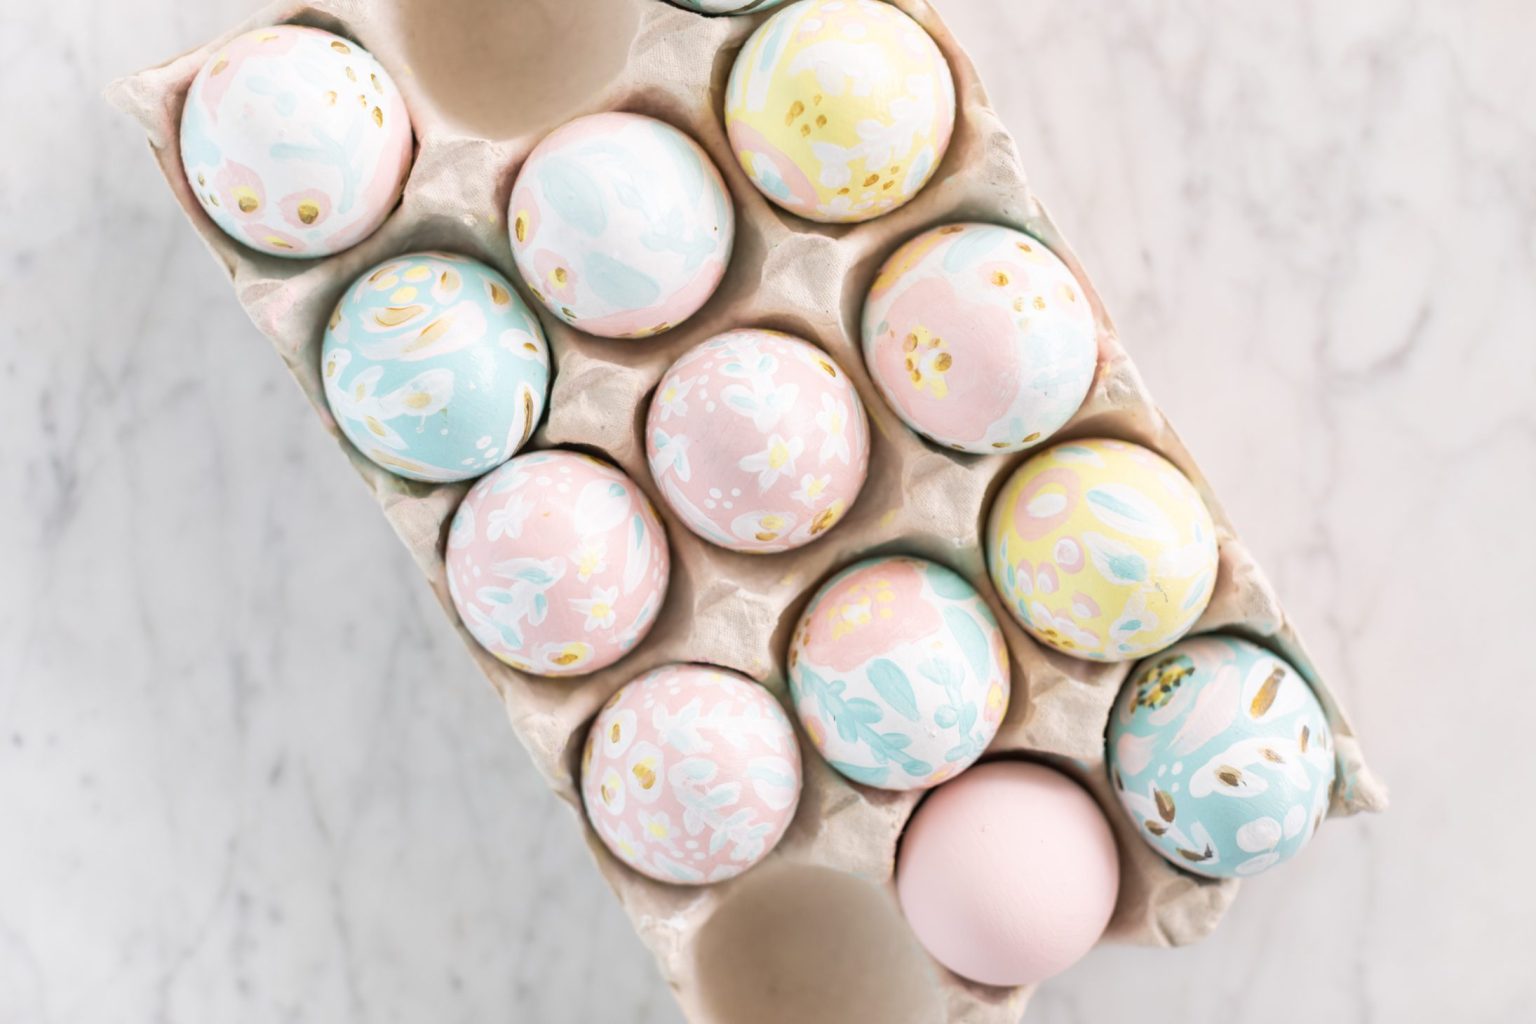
(557, 563)
(691, 774)
(758, 441)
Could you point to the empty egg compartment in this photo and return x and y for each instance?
(484, 85)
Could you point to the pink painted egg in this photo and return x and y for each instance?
(557, 563)
(758, 441)
(691, 774)
(295, 141)
(980, 338)
(1009, 874)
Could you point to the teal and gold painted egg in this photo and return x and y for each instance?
(1221, 756)
(434, 367)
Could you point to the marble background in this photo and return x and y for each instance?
(248, 774)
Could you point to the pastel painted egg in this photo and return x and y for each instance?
(727, 6)
(758, 441)
(840, 110)
(295, 141)
(980, 338)
(434, 367)
(1221, 756)
(1009, 874)
(899, 673)
(691, 774)
(1102, 549)
(621, 225)
(557, 563)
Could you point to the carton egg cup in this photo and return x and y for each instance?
(813, 934)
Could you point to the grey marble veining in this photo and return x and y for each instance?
(247, 773)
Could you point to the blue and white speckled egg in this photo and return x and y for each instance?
(1222, 757)
(434, 367)
(621, 225)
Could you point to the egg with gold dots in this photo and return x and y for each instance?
(840, 110)
(295, 141)
(980, 338)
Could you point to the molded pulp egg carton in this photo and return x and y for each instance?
(813, 934)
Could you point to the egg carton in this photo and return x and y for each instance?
(814, 933)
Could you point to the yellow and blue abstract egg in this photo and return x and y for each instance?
(840, 110)
(621, 225)
(295, 141)
(434, 367)
(727, 6)
(1102, 549)
(899, 673)
(1221, 756)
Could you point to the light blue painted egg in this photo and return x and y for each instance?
(1222, 757)
(434, 367)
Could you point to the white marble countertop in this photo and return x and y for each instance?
(248, 774)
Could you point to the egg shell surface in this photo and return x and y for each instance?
(758, 441)
(899, 673)
(295, 141)
(434, 367)
(1102, 549)
(727, 6)
(1008, 874)
(557, 563)
(840, 110)
(1221, 756)
(980, 338)
(621, 225)
(691, 774)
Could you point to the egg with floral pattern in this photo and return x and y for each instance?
(840, 110)
(434, 367)
(621, 225)
(980, 338)
(758, 441)
(1221, 756)
(899, 673)
(557, 563)
(1102, 549)
(295, 141)
(691, 774)
(727, 6)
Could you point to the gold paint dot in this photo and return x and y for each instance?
(821, 120)
(340, 47)
(377, 86)
(351, 75)
(378, 117)
(309, 211)
(218, 66)
(561, 276)
(805, 131)
(953, 229)
(330, 97)
(795, 110)
(871, 181)
(910, 344)
(943, 362)
(1039, 302)
(1000, 279)
(248, 204)
(520, 227)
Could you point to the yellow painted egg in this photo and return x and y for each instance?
(1102, 549)
(840, 110)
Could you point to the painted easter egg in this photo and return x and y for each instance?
(434, 367)
(840, 110)
(1009, 874)
(1221, 756)
(621, 225)
(727, 6)
(557, 563)
(980, 338)
(1102, 549)
(295, 141)
(691, 774)
(899, 673)
(758, 441)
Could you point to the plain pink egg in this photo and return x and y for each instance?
(1009, 874)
